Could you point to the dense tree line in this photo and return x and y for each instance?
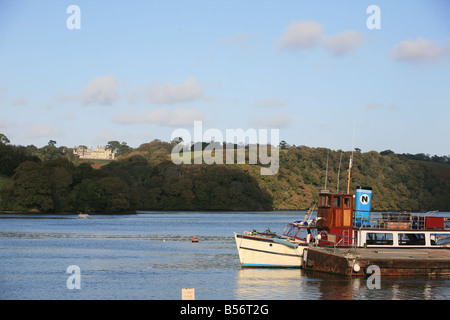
(60, 186)
(131, 184)
(427, 157)
(145, 179)
(12, 156)
(398, 183)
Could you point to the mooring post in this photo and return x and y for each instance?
(188, 294)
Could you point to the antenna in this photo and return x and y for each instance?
(326, 172)
(339, 172)
(351, 160)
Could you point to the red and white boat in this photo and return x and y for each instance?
(344, 220)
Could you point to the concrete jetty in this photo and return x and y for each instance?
(392, 262)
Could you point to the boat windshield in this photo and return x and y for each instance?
(440, 239)
(295, 231)
(290, 230)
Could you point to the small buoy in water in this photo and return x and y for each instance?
(194, 239)
(164, 240)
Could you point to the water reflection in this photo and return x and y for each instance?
(294, 284)
(260, 283)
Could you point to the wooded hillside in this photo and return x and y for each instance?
(145, 179)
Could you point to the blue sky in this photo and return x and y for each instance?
(138, 70)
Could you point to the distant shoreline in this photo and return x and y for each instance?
(149, 211)
(31, 212)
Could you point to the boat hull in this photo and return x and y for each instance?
(268, 252)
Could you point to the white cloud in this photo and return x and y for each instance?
(167, 93)
(44, 130)
(103, 90)
(5, 124)
(373, 105)
(240, 39)
(105, 135)
(278, 121)
(65, 98)
(135, 95)
(170, 93)
(308, 35)
(19, 101)
(269, 103)
(419, 51)
(162, 117)
(3, 91)
(376, 105)
(298, 36)
(342, 43)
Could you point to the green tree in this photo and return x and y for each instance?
(120, 148)
(60, 175)
(12, 156)
(4, 139)
(32, 188)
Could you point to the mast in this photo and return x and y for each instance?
(326, 172)
(339, 172)
(349, 172)
(351, 160)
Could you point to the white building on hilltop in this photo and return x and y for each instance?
(101, 153)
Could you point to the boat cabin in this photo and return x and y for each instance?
(345, 220)
(335, 211)
(335, 218)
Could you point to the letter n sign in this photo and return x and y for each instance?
(364, 199)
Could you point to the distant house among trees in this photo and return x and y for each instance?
(101, 153)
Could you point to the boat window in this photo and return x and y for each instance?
(337, 202)
(379, 238)
(303, 233)
(411, 239)
(347, 203)
(292, 232)
(287, 229)
(440, 239)
(325, 201)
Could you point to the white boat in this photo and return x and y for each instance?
(267, 249)
(83, 216)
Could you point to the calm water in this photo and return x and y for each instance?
(151, 256)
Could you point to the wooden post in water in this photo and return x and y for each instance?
(188, 294)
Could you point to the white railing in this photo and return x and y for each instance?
(389, 220)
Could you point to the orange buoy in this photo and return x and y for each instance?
(194, 239)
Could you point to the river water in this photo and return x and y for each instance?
(151, 256)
